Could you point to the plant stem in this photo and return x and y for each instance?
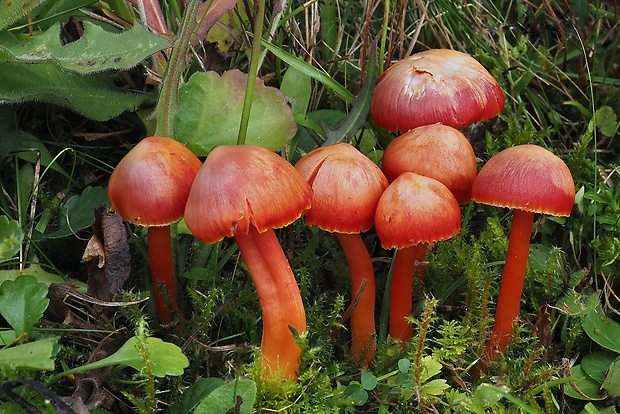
(162, 272)
(402, 288)
(168, 102)
(363, 330)
(280, 300)
(511, 288)
(252, 72)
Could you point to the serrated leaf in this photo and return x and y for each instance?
(10, 11)
(99, 50)
(22, 302)
(93, 95)
(607, 121)
(430, 368)
(237, 396)
(11, 236)
(35, 355)
(211, 107)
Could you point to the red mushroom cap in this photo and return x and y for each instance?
(346, 187)
(416, 209)
(438, 85)
(150, 185)
(239, 185)
(436, 151)
(526, 177)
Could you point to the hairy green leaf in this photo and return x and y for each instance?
(93, 95)
(95, 51)
(12, 10)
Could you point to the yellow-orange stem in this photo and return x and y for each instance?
(511, 288)
(280, 300)
(402, 288)
(363, 330)
(162, 271)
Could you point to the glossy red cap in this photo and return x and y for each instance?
(526, 177)
(439, 85)
(346, 187)
(239, 185)
(416, 209)
(436, 151)
(150, 185)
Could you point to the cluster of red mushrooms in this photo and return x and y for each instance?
(413, 201)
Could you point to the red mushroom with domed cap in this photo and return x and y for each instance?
(149, 187)
(438, 85)
(412, 212)
(528, 179)
(244, 191)
(346, 188)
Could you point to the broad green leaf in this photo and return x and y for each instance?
(22, 302)
(297, 88)
(602, 329)
(78, 212)
(93, 95)
(7, 338)
(491, 393)
(99, 50)
(585, 384)
(211, 109)
(611, 384)
(164, 358)
(237, 396)
(10, 11)
(595, 364)
(11, 236)
(35, 355)
(96, 50)
(195, 394)
(403, 365)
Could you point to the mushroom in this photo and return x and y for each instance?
(244, 191)
(528, 179)
(438, 85)
(346, 188)
(412, 212)
(149, 187)
(437, 151)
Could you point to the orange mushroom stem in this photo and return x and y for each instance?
(149, 187)
(528, 179)
(346, 188)
(244, 191)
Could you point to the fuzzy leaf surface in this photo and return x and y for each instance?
(97, 50)
(93, 95)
